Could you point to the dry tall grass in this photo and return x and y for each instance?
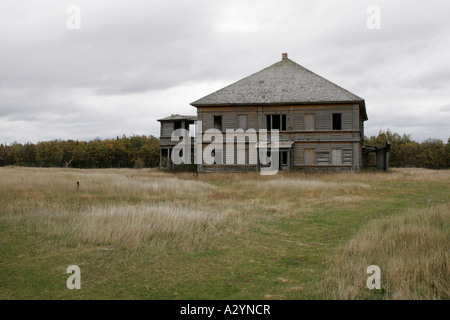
(122, 208)
(129, 226)
(412, 251)
(297, 186)
(124, 184)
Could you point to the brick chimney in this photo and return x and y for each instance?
(284, 56)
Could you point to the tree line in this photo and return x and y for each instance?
(125, 152)
(404, 152)
(142, 151)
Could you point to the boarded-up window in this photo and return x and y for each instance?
(242, 121)
(323, 158)
(309, 156)
(347, 156)
(336, 156)
(309, 121)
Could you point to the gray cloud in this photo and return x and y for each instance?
(134, 61)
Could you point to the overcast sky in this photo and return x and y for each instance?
(135, 61)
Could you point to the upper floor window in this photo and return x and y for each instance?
(309, 121)
(276, 122)
(337, 121)
(176, 125)
(242, 121)
(218, 123)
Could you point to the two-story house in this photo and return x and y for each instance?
(321, 125)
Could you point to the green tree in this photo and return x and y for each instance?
(15, 154)
(49, 154)
(69, 152)
(97, 154)
(2, 155)
(434, 154)
(29, 154)
(149, 151)
(410, 155)
(121, 153)
(134, 151)
(405, 152)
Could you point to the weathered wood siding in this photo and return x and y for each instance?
(308, 126)
(296, 116)
(166, 128)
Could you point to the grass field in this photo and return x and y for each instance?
(145, 234)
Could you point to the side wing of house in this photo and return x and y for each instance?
(168, 126)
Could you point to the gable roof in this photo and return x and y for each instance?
(284, 82)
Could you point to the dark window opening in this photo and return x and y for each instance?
(218, 123)
(337, 123)
(269, 122)
(176, 125)
(276, 122)
(284, 158)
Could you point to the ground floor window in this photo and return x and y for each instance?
(336, 156)
(309, 156)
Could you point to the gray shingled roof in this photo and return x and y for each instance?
(284, 82)
(174, 117)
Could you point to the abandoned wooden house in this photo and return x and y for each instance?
(321, 125)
